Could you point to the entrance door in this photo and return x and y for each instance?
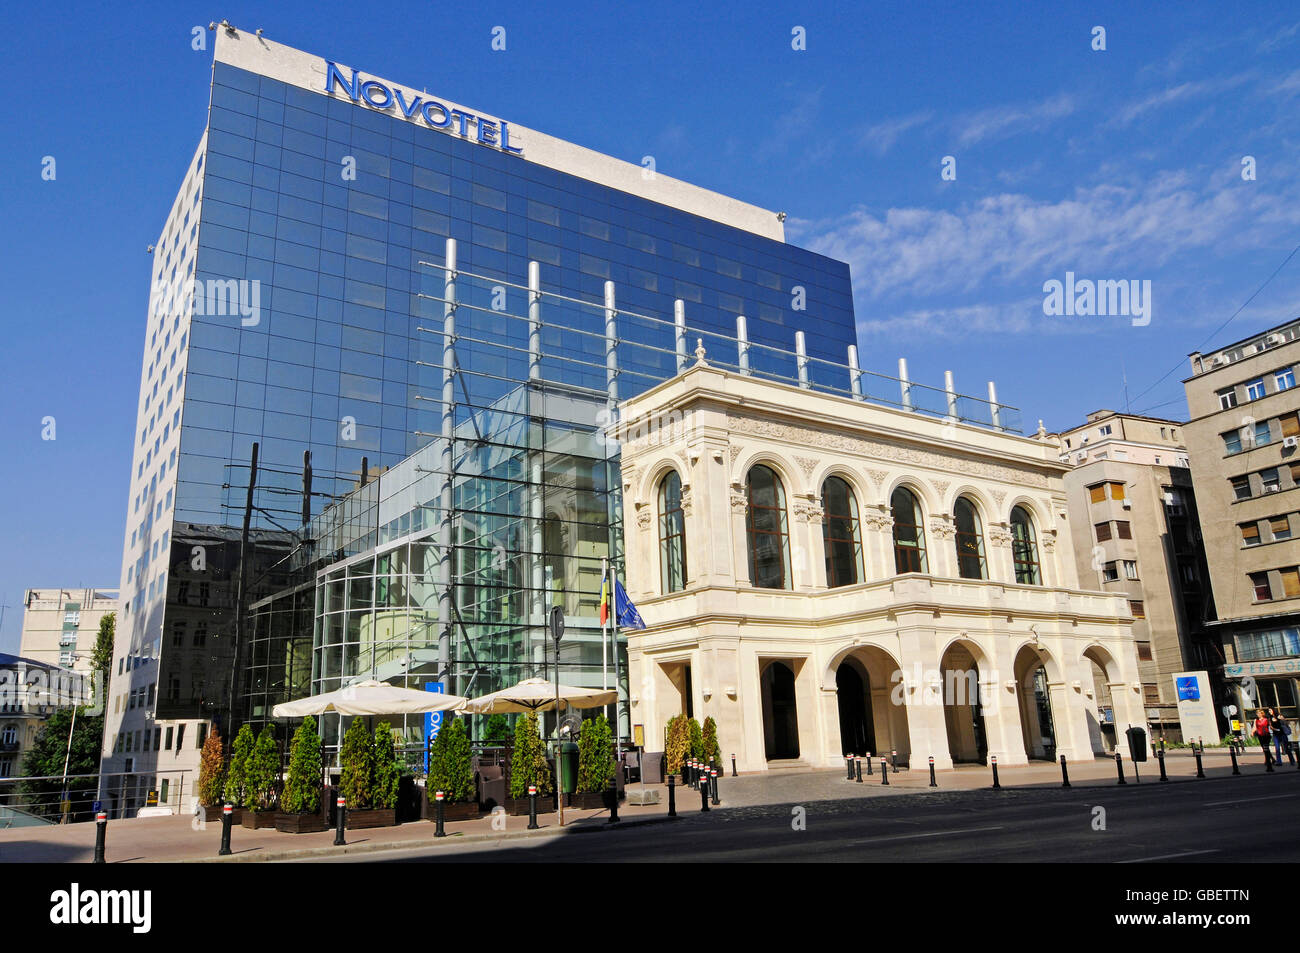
(856, 735)
(781, 722)
(1043, 706)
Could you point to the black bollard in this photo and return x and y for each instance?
(869, 771)
(1268, 760)
(713, 783)
(101, 832)
(884, 771)
(1295, 751)
(933, 782)
(438, 814)
(532, 807)
(704, 796)
(1200, 770)
(1232, 753)
(994, 761)
(733, 765)
(227, 815)
(1065, 774)
(1119, 767)
(672, 795)
(893, 760)
(858, 764)
(342, 809)
(613, 803)
(850, 760)
(1160, 756)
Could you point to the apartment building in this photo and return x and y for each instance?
(1133, 517)
(1243, 438)
(61, 625)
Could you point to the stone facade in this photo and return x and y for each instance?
(928, 664)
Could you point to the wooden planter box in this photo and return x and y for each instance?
(590, 800)
(374, 817)
(518, 806)
(212, 813)
(456, 810)
(300, 823)
(256, 820)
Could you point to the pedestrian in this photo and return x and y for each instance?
(1262, 733)
(1281, 736)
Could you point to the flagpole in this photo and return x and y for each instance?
(604, 665)
(618, 718)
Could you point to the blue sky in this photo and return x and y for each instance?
(1117, 164)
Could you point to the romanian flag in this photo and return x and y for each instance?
(604, 601)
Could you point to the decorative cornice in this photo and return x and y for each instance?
(884, 450)
(999, 535)
(879, 521)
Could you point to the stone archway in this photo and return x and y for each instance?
(1102, 669)
(780, 712)
(962, 706)
(1033, 696)
(853, 695)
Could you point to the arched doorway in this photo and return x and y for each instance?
(963, 711)
(1033, 695)
(1101, 715)
(853, 694)
(780, 714)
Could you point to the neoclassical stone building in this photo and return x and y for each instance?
(823, 576)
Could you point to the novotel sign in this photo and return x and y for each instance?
(377, 95)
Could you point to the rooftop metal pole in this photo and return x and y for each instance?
(904, 384)
(855, 373)
(994, 411)
(951, 391)
(801, 357)
(534, 321)
(679, 320)
(742, 343)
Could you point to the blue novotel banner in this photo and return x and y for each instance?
(432, 721)
(381, 96)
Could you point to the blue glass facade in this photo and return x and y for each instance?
(344, 360)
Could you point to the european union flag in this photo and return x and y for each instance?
(624, 611)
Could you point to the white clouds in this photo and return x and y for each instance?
(908, 260)
(882, 136)
(1002, 121)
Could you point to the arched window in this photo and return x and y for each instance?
(769, 535)
(840, 533)
(1024, 547)
(909, 537)
(970, 540)
(672, 534)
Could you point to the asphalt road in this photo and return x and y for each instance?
(1214, 821)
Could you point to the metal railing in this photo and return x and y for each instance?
(52, 799)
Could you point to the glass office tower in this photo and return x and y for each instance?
(300, 291)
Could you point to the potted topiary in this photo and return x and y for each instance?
(595, 764)
(212, 777)
(369, 777)
(236, 789)
(528, 765)
(712, 751)
(678, 746)
(696, 739)
(451, 772)
(387, 780)
(497, 730)
(300, 811)
(262, 777)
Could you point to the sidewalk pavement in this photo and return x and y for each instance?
(186, 839)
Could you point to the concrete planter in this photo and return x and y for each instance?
(300, 823)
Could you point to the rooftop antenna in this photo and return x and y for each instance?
(1124, 374)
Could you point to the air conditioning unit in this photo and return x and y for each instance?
(1127, 504)
(1290, 441)
(1273, 339)
(1273, 488)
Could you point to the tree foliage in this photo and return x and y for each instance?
(46, 756)
(303, 786)
(387, 777)
(712, 751)
(237, 772)
(678, 746)
(356, 758)
(263, 772)
(595, 756)
(696, 739)
(450, 766)
(101, 658)
(498, 729)
(529, 766)
(212, 763)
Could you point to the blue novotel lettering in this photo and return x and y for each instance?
(488, 132)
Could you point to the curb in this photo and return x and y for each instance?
(307, 853)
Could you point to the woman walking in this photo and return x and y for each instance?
(1281, 735)
(1263, 733)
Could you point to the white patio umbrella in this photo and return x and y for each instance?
(537, 694)
(370, 698)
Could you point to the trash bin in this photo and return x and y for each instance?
(1137, 743)
(568, 767)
